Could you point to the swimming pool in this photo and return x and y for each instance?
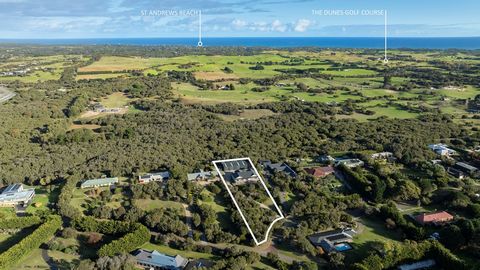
(342, 247)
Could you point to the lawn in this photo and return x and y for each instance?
(149, 204)
(370, 230)
(115, 100)
(120, 63)
(223, 216)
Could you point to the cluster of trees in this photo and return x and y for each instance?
(64, 207)
(394, 254)
(132, 235)
(394, 219)
(166, 221)
(127, 243)
(464, 234)
(205, 218)
(44, 232)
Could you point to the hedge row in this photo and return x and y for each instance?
(127, 243)
(90, 224)
(42, 234)
(20, 222)
(412, 251)
(66, 195)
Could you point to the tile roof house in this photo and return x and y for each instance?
(15, 195)
(319, 172)
(278, 168)
(101, 182)
(433, 218)
(150, 177)
(157, 260)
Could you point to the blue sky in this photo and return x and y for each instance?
(226, 18)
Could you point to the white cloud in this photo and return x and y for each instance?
(239, 23)
(278, 26)
(302, 25)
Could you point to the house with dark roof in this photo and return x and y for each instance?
(280, 167)
(436, 218)
(238, 172)
(319, 172)
(154, 177)
(467, 169)
(334, 240)
(235, 165)
(159, 261)
(456, 173)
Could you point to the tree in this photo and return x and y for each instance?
(452, 237)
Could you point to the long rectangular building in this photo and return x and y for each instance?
(101, 182)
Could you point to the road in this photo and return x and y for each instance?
(188, 219)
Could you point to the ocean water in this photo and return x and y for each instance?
(468, 43)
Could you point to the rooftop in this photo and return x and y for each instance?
(100, 181)
(159, 259)
(16, 193)
(433, 217)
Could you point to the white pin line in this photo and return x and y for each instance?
(385, 60)
(200, 43)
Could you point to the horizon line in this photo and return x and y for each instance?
(227, 37)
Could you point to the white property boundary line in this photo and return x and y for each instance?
(238, 207)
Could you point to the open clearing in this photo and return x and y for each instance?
(248, 114)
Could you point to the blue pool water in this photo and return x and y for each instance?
(342, 247)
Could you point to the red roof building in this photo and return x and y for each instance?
(435, 218)
(319, 172)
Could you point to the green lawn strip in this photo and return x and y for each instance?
(149, 204)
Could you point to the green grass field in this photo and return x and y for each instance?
(149, 204)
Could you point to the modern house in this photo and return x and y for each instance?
(456, 173)
(325, 159)
(159, 261)
(202, 175)
(241, 177)
(15, 195)
(152, 177)
(442, 150)
(238, 172)
(437, 218)
(280, 167)
(349, 162)
(235, 165)
(383, 156)
(334, 240)
(320, 172)
(101, 182)
(467, 169)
